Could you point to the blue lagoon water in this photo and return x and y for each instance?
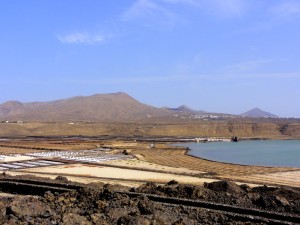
(263, 152)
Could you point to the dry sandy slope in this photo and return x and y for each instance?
(291, 178)
(260, 129)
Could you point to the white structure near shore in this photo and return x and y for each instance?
(212, 139)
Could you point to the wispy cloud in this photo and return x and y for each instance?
(248, 65)
(274, 15)
(127, 80)
(245, 78)
(258, 76)
(188, 2)
(141, 8)
(82, 38)
(286, 9)
(227, 7)
(152, 13)
(169, 11)
(152, 7)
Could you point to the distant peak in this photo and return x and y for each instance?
(114, 93)
(183, 107)
(119, 93)
(257, 112)
(13, 103)
(256, 108)
(111, 94)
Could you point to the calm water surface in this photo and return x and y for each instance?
(265, 153)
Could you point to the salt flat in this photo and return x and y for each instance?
(116, 173)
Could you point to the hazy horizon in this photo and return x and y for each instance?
(219, 56)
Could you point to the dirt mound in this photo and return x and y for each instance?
(268, 198)
(62, 179)
(224, 186)
(101, 206)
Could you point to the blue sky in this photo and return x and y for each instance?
(215, 55)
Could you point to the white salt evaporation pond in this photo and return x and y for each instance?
(262, 152)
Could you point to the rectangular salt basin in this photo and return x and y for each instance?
(38, 163)
(51, 162)
(10, 166)
(23, 164)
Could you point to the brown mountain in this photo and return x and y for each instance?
(99, 107)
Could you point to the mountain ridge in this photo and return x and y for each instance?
(99, 107)
(113, 107)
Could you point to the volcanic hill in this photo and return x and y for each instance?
(185, 109)
(100, 107)
(258, 113)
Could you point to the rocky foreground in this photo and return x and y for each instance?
(105, 204)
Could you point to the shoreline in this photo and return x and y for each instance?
(221, 170)
(155, 164)
(232, 163)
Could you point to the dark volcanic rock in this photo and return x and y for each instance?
(22, 207)
(145, 206)
(74, 219)
(62, 179)
(224, 186)
(2, 209)
(103, 205)
(263, 197)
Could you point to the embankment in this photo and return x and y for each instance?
(264, 129)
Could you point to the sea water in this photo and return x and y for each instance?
(262, 152)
